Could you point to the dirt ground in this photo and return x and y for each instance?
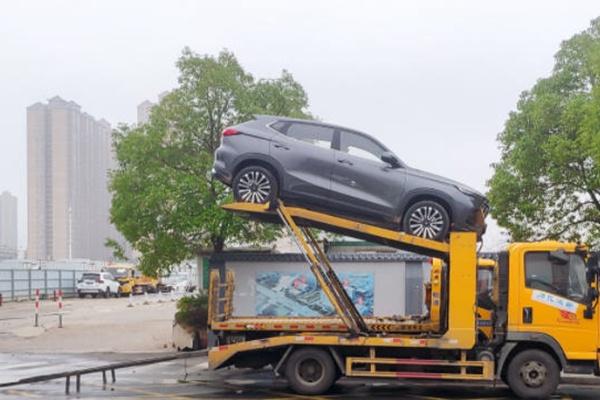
(89, 325)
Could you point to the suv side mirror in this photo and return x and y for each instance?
(390, 158)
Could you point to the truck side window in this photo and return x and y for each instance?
(564, 279)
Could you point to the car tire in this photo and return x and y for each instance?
(427, 219)
(533, 374)
(107, 293)
(310, 371)
(255, 184)
(81, 295)
(94, 295)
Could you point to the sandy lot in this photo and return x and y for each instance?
(89, 325)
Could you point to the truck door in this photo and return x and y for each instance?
(553, 301)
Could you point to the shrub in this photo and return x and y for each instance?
(192, 311)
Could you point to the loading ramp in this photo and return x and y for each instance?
(298, 221)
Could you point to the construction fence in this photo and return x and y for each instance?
(20, 284)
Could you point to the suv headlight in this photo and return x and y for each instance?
(468, 191)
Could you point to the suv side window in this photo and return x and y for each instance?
(360, 146)
(563, 279)
(317, 135)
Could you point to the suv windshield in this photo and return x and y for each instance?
(91, 277)
(565, 279)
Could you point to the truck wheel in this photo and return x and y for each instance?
(310, 371)
(533, 374)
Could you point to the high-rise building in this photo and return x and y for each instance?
(8, 226)
(145, 108)
(68, 158)
(143, 111)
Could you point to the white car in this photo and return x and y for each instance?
(97, 283)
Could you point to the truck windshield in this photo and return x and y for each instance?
(564, 279)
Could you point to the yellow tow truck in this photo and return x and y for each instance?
(131, 281)
(522, 319)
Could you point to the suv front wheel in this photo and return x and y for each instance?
(427, 219)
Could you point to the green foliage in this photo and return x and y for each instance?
(192, 311)
(117, 249)
(547, 183)
(165, 201)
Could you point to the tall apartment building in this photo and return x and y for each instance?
(8, 226)
(145, 108)
(68, 157)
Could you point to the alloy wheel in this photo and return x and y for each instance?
(426, 222)
(254, 187)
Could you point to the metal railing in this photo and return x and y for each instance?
(20, 284)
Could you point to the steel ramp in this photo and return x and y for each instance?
(348, 227)
(325, 275)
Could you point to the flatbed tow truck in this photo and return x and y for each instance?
(540, 319)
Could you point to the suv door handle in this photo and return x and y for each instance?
(344, 161)
(280, 146)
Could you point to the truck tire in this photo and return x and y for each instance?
(310, 371)
(533, 374)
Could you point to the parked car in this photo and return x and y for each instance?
(97, 283)
(345, 172)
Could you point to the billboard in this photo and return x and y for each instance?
(297, 294)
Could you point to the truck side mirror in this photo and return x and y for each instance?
(593, 267)
(390, 158)
(591, 298)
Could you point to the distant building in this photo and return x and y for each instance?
(145, 108)
(69, 154)
(143, 111)
(8, 226)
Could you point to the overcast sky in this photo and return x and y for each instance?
(434, 80)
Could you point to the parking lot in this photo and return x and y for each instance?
(189, 379)
(89, 325)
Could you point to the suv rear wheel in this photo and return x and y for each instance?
(255, 184)
(427, 219)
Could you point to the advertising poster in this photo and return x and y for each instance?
(298, 294)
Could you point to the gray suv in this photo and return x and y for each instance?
(343, 172)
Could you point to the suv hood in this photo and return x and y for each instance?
(441, 179)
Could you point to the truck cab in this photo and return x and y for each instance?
(550, 322)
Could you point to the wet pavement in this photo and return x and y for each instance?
(189, 379)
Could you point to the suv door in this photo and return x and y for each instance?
(553, 302)
(304, 151)
(362, 183)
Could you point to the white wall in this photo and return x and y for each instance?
(389, 280)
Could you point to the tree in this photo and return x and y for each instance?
(165, 201)
(547, 182)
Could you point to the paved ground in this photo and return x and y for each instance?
(189, 379)
(97, 325)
